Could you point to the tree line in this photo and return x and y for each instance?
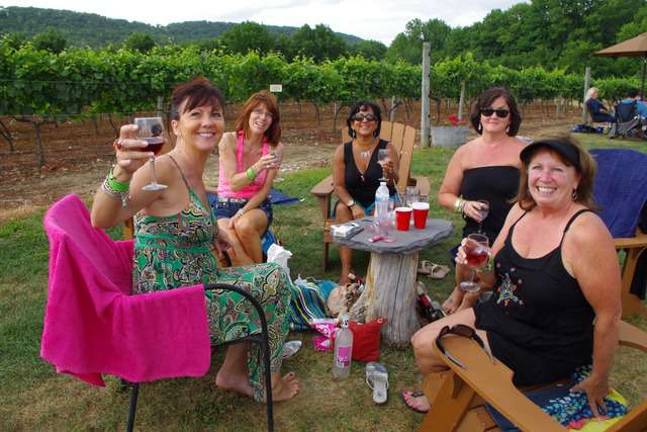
(550, 33)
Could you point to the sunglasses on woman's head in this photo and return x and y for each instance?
(501, 113)
(362, 117)
(458, 330)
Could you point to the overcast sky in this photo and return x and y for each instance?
(380, 20)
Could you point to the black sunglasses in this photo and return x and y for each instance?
(362, 117)
(458, 330)
(501, 113)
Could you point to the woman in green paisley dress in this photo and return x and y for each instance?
(176, 238)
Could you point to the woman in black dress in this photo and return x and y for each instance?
(486, 168)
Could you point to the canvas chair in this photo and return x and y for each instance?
(402, 138)
(458, 395)
(93, 326)
(620, 191)
(628, 122)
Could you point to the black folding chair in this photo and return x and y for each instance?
(262, 339)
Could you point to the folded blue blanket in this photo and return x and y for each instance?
(620, 188)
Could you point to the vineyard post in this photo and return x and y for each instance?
(587, 84)
(461, 101)
(425, 129)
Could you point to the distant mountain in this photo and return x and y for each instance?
(84, 29)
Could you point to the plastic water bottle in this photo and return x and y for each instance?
(382, 207)
(343, 353)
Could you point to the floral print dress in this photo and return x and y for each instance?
(178, 250)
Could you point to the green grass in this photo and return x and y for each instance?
(34, 397)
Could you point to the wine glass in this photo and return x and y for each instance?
(484, 210)
(411, 195)
(151, 130)
(383, 157)
(476, 249)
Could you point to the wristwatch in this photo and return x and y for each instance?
(350, 203)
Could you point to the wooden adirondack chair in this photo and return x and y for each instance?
(458, 395)
(403, 138)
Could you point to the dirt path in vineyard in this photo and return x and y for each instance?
(78, 155)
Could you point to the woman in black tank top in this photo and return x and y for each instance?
(356, 173)
(484, 169)
(556, 280)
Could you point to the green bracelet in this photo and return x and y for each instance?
(251, 174)
(115, 184)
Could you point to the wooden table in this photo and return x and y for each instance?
(390, 280)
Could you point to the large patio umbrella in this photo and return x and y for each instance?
(635, 47)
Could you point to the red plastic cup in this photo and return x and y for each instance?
(420, 213)
(402, 218)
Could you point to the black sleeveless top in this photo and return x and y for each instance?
(496, 184)
(538, 321)
(362, 187)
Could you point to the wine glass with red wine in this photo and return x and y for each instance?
(476, 249)
(151, 130)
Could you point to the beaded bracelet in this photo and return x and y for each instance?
(251, 174)
(115, 189)
(459, 205)
(116, 184)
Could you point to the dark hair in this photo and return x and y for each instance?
(586, 169)
(485, 101)
(273, 133)
(632, 93)
(364, 106)
(197, 92)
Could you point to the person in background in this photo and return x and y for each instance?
(356, 172)
(176, 237)
(641, 107)
(486, 168)
(249, 162)
(597, 110)
(556, 280)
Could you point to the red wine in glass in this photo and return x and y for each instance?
(476, 254)
(155, 144)
(151, 130)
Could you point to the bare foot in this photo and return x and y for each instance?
(454, 301)
(285, 388)
(417, 401)
(237, 383)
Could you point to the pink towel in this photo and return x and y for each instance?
(92, 323)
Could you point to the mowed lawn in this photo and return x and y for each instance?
(33, 397)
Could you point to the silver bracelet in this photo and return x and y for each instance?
(122, 196)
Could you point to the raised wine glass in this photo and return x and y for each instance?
(151, 130)
(484, 210)
(476, 254)
(383, 157)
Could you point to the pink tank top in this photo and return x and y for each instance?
(224, 189)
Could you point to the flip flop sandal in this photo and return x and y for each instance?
(438, 271)
(377, 379)
(424, 267)
(414, 394)
(433, 270)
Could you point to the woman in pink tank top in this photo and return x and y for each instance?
(249, 161)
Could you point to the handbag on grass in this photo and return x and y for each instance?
(366, 339)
